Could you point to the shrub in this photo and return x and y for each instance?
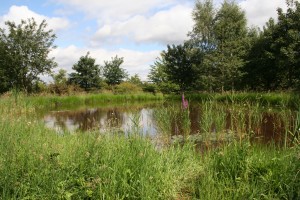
(126, 87)
(150, 87)
(64, 89)
(168, 88)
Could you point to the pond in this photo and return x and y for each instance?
(210, 120)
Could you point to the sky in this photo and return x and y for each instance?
(137, 30)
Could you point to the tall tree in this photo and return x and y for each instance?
(260, 70)
(287, 45)
(274, 59)
(202, 34)
(87, 74)
(112, 71)
(230, 31)
(203, 37)
(220, 35)
(25, 54)
(182, 64)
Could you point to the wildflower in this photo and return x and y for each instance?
(185, 103)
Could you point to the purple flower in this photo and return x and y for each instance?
(185, 103)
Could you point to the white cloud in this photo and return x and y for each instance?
(110, 10)
(134, 61)
(258, 12)
(166, 27)
(17, 13)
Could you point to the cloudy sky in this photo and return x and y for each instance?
(137, 30)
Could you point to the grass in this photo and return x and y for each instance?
(280, 99)
(38, 163)
(54, 101)
(245, 171)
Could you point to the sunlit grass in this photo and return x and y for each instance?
(38, 163)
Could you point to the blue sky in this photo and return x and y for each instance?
(137, 30)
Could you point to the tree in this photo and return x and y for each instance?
(157, 73)
(203, 37)
(25, 54)
(260, 69)
(220, 35)
(274, 59)
(112, 71)
(87, 74)
(182, 64)
(61, 77)
(136, 80)
(230, 31)
(287, 45)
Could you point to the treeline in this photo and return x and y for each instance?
(89, 76)
(24, 57)
(223, 54)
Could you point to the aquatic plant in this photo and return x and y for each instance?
(185, 103)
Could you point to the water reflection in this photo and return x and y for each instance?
(214, 120)
(103, 119)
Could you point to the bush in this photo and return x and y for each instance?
(64, 89)
(127, 88)
(150, 87)
(168, 88)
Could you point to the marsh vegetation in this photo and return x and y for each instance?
(221, 151)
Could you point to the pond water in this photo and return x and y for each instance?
(214, 120)
(118, 118)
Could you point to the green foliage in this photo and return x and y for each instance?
(64, 89)
(87, 74)
(136, 80)
(150, 87)
(127, 88)
(203, 37)
(24, 54)
(169, 88)
(60, 77)
(203, 31)
(157, 72)
(112, 71)
(230, 32)
(273, 59)
(181, 64)
(287, 46)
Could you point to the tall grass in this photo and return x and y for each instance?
(83, 99)
(282, 99)
(38, 163)
(225, 121)
(245, 171)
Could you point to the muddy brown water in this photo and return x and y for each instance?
(264, 126)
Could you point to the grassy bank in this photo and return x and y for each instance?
(52, 101)
(38, 163)
(269, 99)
